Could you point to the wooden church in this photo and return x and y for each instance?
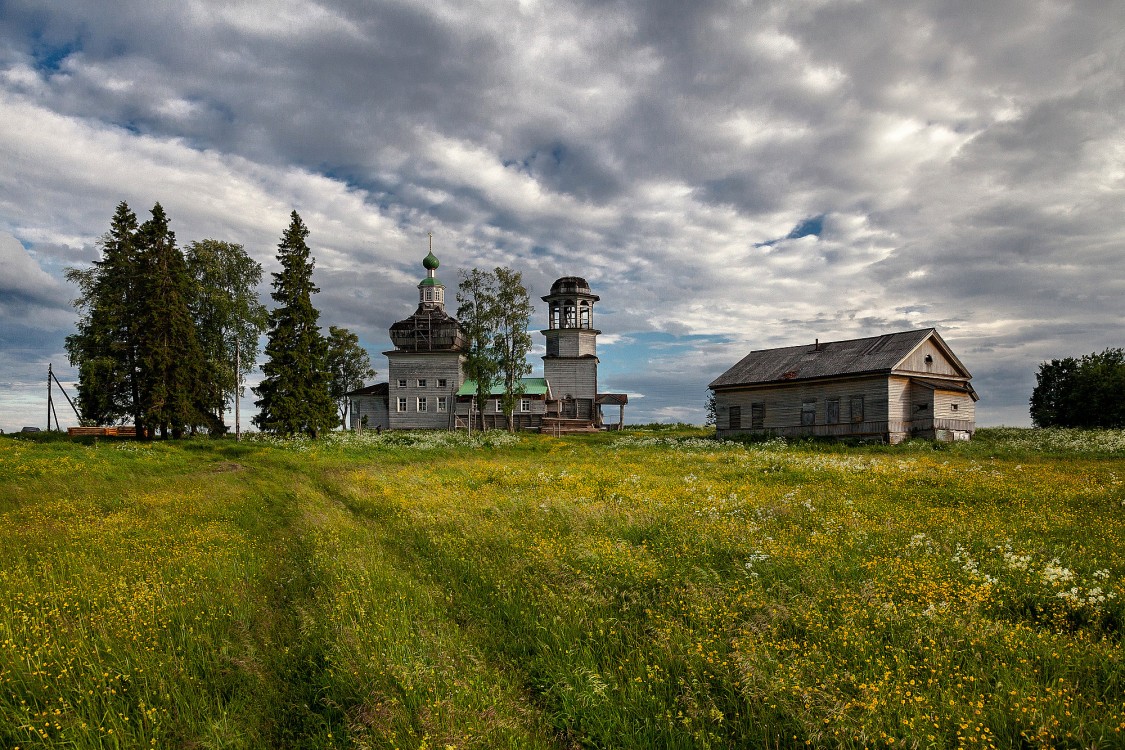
(426, 386)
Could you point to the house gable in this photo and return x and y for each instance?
(933, 357)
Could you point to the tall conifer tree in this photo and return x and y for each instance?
(294, 396)
(104, 347)
(175, 387)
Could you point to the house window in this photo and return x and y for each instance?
(525, 404)
(422, 403)
(808, 413)
(402, 382)
(832, 411)
(757, 416)
(857, 409)
(442, 383)
(496, 406)
(402, 404)
(443, 403)
(734, 420)
(421, 382)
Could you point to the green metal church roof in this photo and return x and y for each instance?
(531, 387)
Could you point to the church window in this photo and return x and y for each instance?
(442, 383)
(443, 404)
(402, 382)
(402, 404)
(421, 382)
(422, 403)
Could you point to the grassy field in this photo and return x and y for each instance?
(649, 589)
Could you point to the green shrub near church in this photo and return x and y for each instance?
(650, 589)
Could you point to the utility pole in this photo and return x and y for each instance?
(50, 404)
(237, 384)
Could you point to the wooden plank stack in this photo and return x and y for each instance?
(118, 431)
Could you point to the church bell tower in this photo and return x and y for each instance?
(571, 362)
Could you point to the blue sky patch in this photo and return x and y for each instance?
(814, 225)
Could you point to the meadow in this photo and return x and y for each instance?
(652, 588)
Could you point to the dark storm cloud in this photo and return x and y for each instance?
(963, 160)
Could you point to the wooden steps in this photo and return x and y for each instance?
(567, 426)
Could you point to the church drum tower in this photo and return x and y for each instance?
(425, 367)
(571, 362)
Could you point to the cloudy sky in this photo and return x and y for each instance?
(727, 175)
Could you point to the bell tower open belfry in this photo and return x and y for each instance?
(571, 362)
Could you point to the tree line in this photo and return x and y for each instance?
(1087, 391)
(166, 337)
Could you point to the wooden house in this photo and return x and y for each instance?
(890, 387)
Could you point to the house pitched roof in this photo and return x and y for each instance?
(874, 354)
(379, 389)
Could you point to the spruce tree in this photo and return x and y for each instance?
(175, 387)
(294, 396)
(104, 346)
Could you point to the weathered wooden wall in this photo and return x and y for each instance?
(783, 403)
(372, 407)
(890, 408)
(430, 366)
(577, 377)
(916, 362)
(572, 342)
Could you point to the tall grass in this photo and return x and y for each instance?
(647, 589)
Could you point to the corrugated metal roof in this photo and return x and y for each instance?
(531, 387)
(828, 359)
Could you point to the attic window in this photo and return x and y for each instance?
(953, 407)
(929, 360)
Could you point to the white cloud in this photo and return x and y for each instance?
(967, 166)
